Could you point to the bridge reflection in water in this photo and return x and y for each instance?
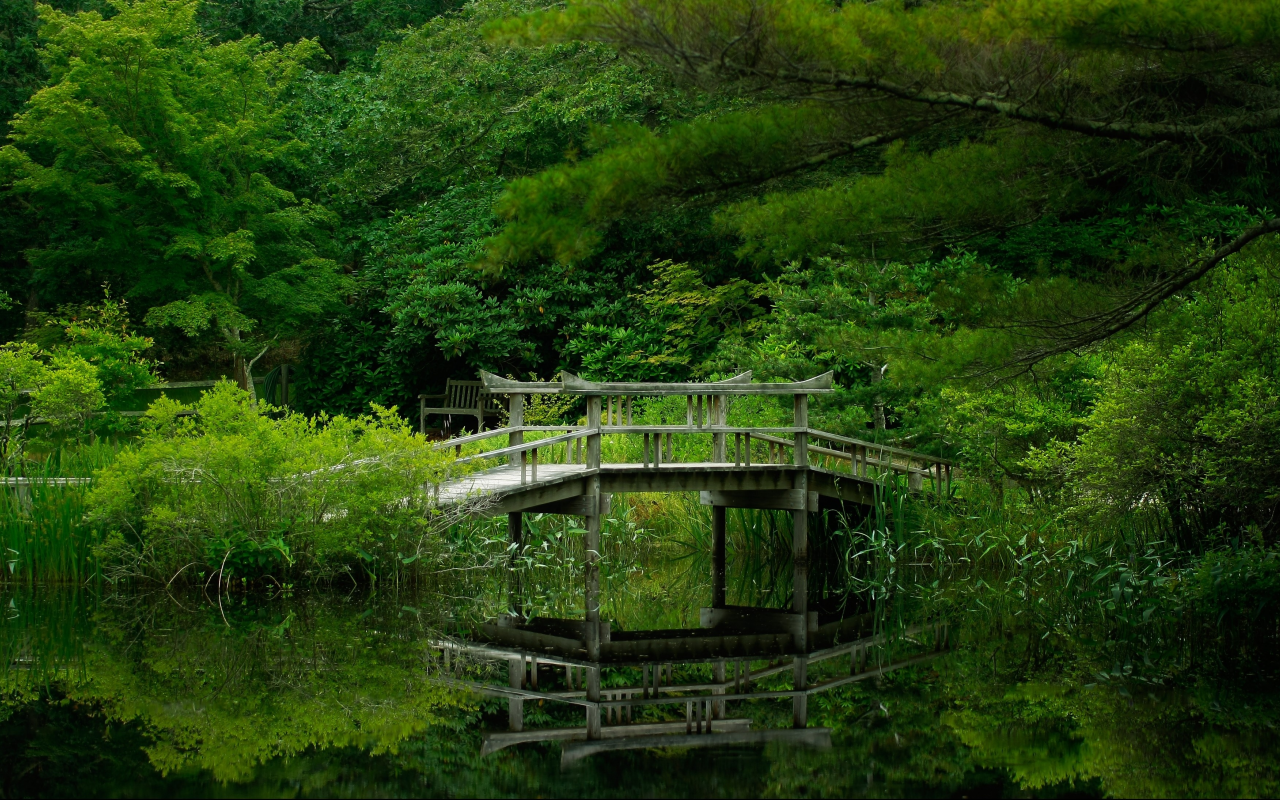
(794, 468)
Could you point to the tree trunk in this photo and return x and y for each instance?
(243, 369)
(241, 373)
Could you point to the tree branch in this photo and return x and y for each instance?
(1143, 131)
(1103, 325)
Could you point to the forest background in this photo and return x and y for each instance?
(1034, 237)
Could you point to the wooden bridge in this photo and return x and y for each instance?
(794, 468)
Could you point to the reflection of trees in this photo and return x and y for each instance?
(281, 679)
(333, 695)
(988, 715)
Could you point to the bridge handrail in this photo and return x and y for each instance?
(850, 457)
(832, 437)
(762, 433)
(489, 434)
(514, 449)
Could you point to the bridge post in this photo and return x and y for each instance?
(800, 556)
(719, 414)
(515, 419)
(800, 526)
(593, 425)
(591, 567)
(801, 418)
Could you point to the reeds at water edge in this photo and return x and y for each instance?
(43, 530)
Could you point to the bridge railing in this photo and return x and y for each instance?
(610, 413)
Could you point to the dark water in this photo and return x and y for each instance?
(343, 694)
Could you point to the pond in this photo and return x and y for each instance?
(357, 690)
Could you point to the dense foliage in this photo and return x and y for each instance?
(1034, 237)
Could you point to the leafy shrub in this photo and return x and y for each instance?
(244, 489)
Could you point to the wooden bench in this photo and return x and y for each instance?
(467, 398)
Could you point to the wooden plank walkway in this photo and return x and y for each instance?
(500, 490)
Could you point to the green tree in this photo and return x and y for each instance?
(156, 150)
(890, 130)
(348, 30)
(413, 153)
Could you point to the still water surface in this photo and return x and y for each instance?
(343, 693)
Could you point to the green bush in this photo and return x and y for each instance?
(245, 490)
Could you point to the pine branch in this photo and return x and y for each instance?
(1071, 336)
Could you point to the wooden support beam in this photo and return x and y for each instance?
(800, 682)
(683, 477)
(593, 694)
(542, 494)
(581, 506)
(787, 499)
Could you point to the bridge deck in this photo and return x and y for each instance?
(499, 490)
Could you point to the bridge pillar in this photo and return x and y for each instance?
(591, 543)
(800, 556)
(591, 566)
(800, 576)
(800, 526)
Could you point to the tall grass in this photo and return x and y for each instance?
(42, 524)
